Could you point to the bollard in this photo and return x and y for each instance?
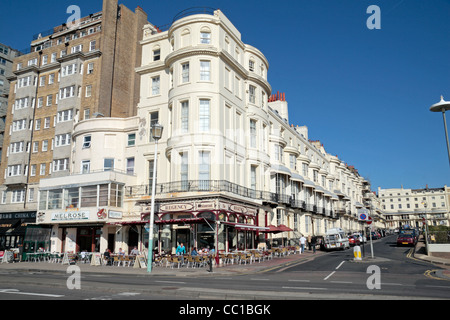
(357, 253)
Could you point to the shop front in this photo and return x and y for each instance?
(76, 230)
(209, 224)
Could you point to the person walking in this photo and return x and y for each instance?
(313, 243)
(309, 242)
(302, 243)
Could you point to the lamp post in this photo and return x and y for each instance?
(442, 106)
(156, 132)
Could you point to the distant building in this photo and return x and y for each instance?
(410, 207)
(72, 73)
(7, 56)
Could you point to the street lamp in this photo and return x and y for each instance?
(442, 106)
(156, 133)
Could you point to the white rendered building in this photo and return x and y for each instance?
(411, 207)
(232, 172)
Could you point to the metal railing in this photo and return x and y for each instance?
(225, 186)
(192, 11)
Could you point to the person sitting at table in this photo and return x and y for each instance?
(194, 252)
(107, 257)
(180, 250)
(121, 252)
(134, 252)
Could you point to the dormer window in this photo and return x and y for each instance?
(205, 36)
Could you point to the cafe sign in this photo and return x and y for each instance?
(176, 207)
(70, 216)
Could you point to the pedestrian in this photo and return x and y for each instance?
(180, 250)
(302, 243)
(313, 243)
(309, 242)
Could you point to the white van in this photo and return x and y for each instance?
(335, 238)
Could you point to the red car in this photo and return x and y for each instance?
(352, 240)
(405, 240)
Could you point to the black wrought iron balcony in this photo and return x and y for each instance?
(203, 186)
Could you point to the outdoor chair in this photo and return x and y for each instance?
(199, 261)
(116, 261)
(231, 258)
(190, 261)
(243, 258)
(176, 260)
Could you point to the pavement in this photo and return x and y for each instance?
(230, 269)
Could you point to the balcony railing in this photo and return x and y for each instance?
(225, 186)
(203, 186)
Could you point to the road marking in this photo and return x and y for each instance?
(442, 287)
(329, 275)
(304, 288)
(253, 279)
(299, 280)
(15, 291)
(340, 265)
(177, 282)
(391, 284)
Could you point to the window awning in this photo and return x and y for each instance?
(244, 227)
(180, 221)
(126, 223)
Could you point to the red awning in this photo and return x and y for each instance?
(179, 221)
(280, 228)
(245, 227)
(283, 228)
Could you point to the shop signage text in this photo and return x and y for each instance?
(70, 216)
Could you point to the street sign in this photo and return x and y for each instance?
(362, 217)
(369, 220)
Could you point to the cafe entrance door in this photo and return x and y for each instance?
(184, 236)
(88, 239)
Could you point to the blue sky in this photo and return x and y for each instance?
(365, 94)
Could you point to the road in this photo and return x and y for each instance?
(392, 274)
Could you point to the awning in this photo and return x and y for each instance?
(320, 189)
(297, 177)
(280, 169)
(245, 227)
(126, 223)
(280, 228)
(309, 183)
(181, 221)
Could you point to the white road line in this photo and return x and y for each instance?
(15, 291)
(341, 282)
(176, 282)
(253, 279)
(329, 275)
(340, 265)
(304, 288)
(299, 280)
(442, 287)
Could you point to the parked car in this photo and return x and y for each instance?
(360, 237)
(375, 235)
(353, 240)
(406, 239)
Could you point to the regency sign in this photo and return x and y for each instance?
(197, 206)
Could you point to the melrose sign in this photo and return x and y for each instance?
(70, 216)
